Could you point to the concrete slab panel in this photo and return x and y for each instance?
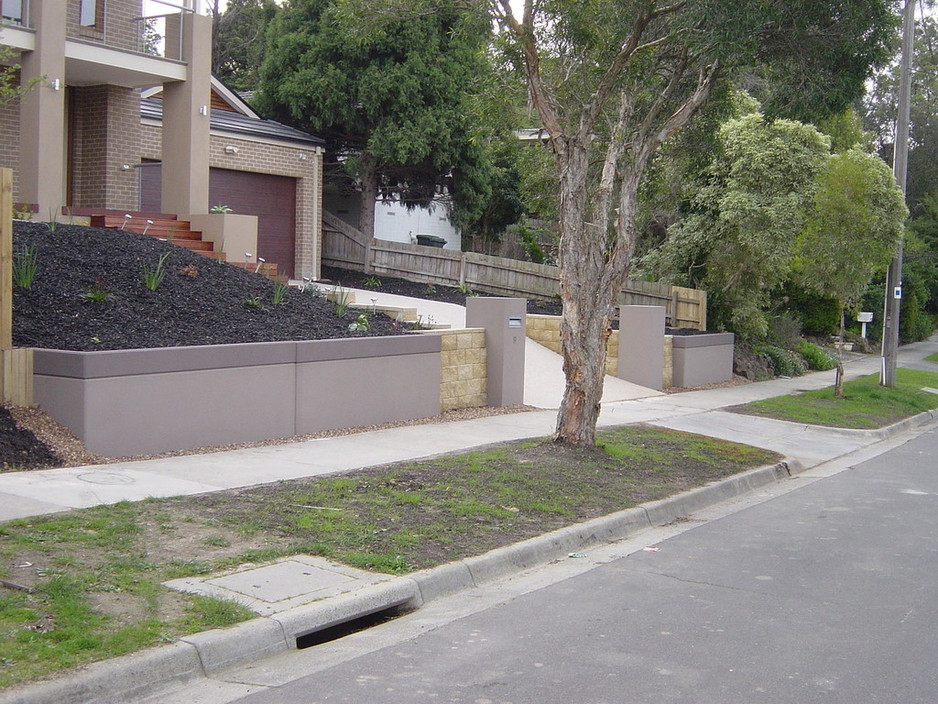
(13, 506)
(282, 585)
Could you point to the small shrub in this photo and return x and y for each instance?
(153, 275)
(532, 248)
(25, 266)
(22, 211)
(784, 331)
(431, 289)
(816, 357)
(311, 289)
(372, 282)
(253, 301)
(220, 209)
(97, 293)
(784, 362)
(360, 324)
(189, 270)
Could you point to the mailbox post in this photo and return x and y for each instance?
(504, 320)
(864, 318)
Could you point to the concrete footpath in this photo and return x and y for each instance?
(300, 595)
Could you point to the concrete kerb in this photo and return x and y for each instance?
(116, 681)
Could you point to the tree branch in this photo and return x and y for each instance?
(541, 95)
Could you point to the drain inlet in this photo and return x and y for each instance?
(347, 628)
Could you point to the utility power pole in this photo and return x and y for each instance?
(900, 167)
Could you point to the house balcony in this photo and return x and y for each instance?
(145, 52)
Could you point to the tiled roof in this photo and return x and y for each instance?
(236, 123)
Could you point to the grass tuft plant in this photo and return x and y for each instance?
(465, 290)
(280, 290)
(341, 297)
(25, 266)
(153, 275)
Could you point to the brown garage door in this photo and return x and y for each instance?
(271, 198)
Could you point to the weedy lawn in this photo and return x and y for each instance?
(86, 585)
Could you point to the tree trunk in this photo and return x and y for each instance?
(369, 179)
(839, 374)
(591, 277)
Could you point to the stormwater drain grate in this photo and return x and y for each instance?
(347, 628)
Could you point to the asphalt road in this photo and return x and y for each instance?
(826, 593)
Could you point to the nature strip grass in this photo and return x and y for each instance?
(932, 358)
(91, 579)
(866, 404)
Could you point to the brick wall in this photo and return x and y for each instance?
(10, 141)
(279, 160)
(105, 137)
(117, 29)
(463, 382)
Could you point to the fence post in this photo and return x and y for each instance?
(16, 365)
(462, 269)
(6, 259)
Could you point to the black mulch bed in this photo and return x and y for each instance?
(437, 292)
(199, 302)
(20, 449)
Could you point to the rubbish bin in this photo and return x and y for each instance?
(430, 241)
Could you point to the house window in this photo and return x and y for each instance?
(12, 11)
(91, 13)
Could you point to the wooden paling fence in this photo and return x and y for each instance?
(347, 248)
(16, 365)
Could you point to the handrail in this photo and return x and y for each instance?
(149, 44)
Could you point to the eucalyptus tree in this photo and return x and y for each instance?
(613, 80)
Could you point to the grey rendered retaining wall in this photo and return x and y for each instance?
(131, 402)
(702, 359)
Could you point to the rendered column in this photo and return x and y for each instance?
(42, 112)
(186, 106)
(504, 320)
(641, 345)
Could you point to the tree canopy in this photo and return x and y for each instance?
(238, 41)
(854, 227)
(390, 99)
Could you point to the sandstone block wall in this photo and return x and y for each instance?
(463, 375)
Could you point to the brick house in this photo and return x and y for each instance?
(128, 118)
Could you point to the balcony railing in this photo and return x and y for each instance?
(15, 12)
(162, 34)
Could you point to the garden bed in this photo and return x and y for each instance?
(198, 302)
